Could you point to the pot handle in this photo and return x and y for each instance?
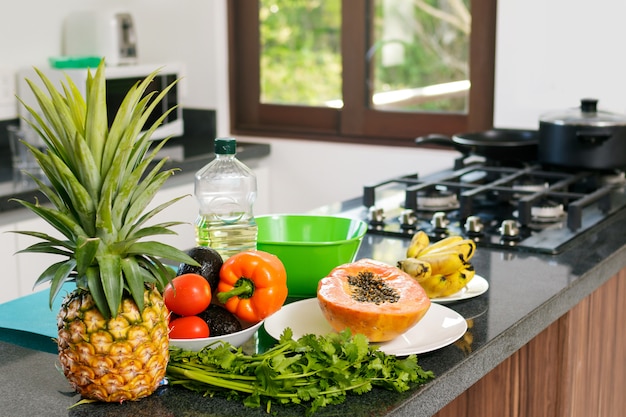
(443, 140)
(593, 137)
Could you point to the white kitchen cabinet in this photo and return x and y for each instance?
(31, 265)
(10, 277)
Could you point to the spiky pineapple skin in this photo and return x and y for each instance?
(120, 359)
(113, 337)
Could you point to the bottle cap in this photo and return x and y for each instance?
(225, 146)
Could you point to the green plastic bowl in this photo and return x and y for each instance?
(309, 246)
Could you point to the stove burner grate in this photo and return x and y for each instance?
(554, 203)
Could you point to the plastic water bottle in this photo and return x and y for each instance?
(226, 190)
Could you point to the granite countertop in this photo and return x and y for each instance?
(527, 293)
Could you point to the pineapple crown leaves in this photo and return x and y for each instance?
(101, 182)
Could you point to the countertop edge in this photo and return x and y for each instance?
(435, 395)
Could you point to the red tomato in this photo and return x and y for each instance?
(187, 294)
(190, 327)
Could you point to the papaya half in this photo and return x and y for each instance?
(370, 297)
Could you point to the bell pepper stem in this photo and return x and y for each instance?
(244, 288)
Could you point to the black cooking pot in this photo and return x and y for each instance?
(583, 138)
(497, 144)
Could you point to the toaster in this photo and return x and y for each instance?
(110, 35)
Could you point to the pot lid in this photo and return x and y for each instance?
(585, 115)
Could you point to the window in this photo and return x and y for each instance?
(364, 71)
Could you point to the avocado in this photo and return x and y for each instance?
(210, 264)
(221, 321)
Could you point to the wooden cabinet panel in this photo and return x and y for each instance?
(594, 356)
(494, 395)
(574, 368)
(537, 380)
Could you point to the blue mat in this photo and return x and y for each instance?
(32, 313)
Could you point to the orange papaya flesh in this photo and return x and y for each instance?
(370, 297)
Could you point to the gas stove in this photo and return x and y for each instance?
(527, 207)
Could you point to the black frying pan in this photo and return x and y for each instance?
(496, 144)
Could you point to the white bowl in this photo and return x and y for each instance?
(236, 339)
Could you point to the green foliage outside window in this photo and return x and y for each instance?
(300, 54)
(415, 43)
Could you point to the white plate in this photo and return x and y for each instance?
(440, 327)
(477, 286)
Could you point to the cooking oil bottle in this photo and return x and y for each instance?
(226, 191)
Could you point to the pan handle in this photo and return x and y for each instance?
(435, 139)
(443, 140)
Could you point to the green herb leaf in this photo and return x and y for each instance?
(316, 371)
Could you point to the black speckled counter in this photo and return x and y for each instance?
(527, 293)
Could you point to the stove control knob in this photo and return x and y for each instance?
(509, 229)
(439, 221)
(408, 220)
(376, 216)
(474, 225)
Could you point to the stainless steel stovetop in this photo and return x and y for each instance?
(527, 208)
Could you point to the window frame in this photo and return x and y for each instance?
(355, 122)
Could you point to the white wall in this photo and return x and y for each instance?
(180, 30)
(549, 55)
(307, 174)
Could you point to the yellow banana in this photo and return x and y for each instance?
(441, 244)
(416, 268)
(440, 285)
(432, 285)
(457, 281)
(466, 247)
(419, 242)
(444, 263)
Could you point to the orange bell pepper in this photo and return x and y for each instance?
(253, 285)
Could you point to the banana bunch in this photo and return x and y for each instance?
(442, 268)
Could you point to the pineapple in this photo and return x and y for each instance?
(112, 329)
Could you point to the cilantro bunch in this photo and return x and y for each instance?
(314, 371)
